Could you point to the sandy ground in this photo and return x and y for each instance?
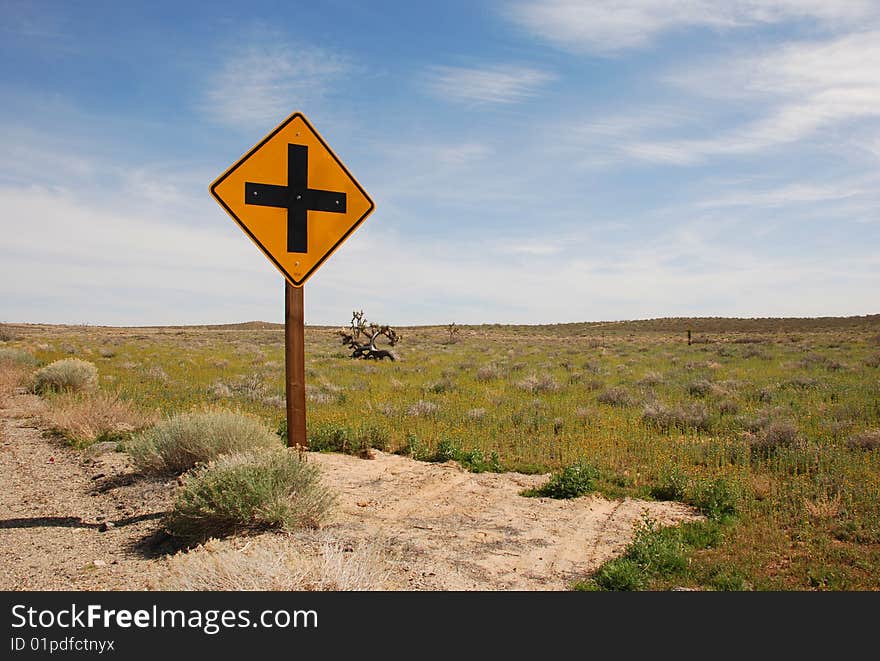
(445, 528)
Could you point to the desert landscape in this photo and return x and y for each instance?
(592, 456)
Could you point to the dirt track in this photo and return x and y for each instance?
(448, 529)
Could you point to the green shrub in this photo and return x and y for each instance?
(415, 448)
(701, 534)
(178, 443)
(727, 579)
(573, 481)
(620, 574)
(450, 450)
(249, 491)
(476, 462)
(66, 375)
(655, 551)
(658, 551)
(446, 451)
(717, 498)
(673, 485)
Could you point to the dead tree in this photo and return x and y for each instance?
(361, 337)
(452, 333)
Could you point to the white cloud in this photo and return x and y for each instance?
(63, 260)
(609, 26)
(796, 193)
(799, 90)
(500, 84)
(267, 79)
(687, 271)
(56, 246)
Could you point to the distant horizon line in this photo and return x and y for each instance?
(256, 323)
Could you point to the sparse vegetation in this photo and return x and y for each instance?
(784, 432)
(249, 491)
(178, 443)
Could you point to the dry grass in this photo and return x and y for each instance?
(85, 418)
(280, 564)
(12, 376)
(422, 409)
(823, 507)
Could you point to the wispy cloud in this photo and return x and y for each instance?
(267, 78)
(498, 84)
(798, 90)
(609, 26)
(792, 194)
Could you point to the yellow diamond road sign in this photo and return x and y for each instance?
(294, 198)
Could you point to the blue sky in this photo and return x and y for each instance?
(531, 162)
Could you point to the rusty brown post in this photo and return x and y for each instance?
(295, 366)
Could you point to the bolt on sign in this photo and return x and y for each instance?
(294, 198)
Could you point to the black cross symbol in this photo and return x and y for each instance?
(296, 197)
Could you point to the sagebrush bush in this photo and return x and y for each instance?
(488, 373)
(685, 416)
(176, 444)
(700, 388)
(537, 384)
(776, 435)
(651, 379)
(616, 396)
(13, 356)
(249, 491)
(865, 440)
(422, 409)
(66, 375)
